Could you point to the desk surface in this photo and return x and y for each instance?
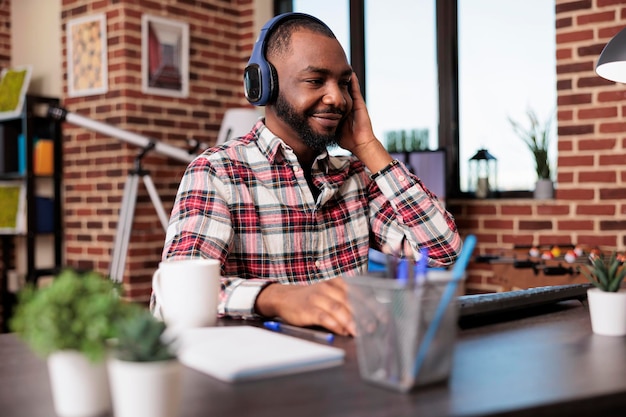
(540, 362)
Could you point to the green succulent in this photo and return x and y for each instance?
(77, 311)
(140, 339)
(606, 274)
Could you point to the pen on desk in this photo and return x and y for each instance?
(299, 331)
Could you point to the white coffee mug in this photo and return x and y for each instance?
(187, 292)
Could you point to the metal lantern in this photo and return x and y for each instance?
(483, 174)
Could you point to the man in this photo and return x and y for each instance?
(285, 218)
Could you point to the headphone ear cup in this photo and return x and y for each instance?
(273, 80)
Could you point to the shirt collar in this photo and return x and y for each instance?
(275, 149)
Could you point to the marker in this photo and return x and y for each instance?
(299, 331)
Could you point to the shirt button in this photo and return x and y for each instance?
(318, 264)
(401, 178)
(296, 169)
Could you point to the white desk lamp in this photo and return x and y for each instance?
(612, 62)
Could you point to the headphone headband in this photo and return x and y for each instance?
(260, 81)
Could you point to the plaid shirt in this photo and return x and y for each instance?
(248, 204)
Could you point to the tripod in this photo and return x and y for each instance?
(127, 212)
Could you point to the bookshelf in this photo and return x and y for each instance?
(31, 246)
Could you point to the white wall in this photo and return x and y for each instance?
(36, 41)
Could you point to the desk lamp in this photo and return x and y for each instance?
(612, 62)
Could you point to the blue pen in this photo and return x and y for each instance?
(402, 271)
(299, 331)
(422, 266)
(457, 274)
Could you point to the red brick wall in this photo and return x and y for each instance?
(5, 33)
(589, 207)
(221, 38)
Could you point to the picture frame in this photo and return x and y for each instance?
(14, 84)
(87, 64)
(164, 56)
(12, 207)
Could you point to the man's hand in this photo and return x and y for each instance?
(357, 134)
(320, 304)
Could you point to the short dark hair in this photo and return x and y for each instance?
(278, 42)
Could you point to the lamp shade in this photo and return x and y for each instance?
(612, 62)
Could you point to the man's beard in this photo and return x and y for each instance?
(299, 123)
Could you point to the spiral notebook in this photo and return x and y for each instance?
(242, 353)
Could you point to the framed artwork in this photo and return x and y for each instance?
(164, 56)
(12, 207)
(87, 68)
(13, 86)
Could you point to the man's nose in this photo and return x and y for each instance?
(335, 96)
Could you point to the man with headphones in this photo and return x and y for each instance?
(286, 218)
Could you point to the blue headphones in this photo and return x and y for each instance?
(260, 81)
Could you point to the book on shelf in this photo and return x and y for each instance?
(14, 84)
(12, 207)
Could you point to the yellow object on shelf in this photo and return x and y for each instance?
(43, 161)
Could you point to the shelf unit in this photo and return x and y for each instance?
(22, 247)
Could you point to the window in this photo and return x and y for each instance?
(507, 62)
(458, 68)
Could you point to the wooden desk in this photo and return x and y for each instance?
(543, 362)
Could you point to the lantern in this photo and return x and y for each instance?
(483, 174)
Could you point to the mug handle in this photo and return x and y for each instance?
(156, 287)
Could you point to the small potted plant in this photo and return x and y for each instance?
(69, 322)
(537, 138)
(144, 372)
(607, 300)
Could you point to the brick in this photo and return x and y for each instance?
(595, 209)
(564, 225)
(576, 161)
(555, 210)
(597, 240)
(535, 225)
(575, 130)
(515, 210)
(551, 240)
(613, 225)
(596, 144)
(614, 159)
(517, 239)
(575, 194)
(612, 193)
(597, 176)
(598, 113)
(498, 224)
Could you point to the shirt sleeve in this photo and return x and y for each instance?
(200, 227)
(404, 211)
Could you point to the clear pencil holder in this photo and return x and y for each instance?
(392, 322)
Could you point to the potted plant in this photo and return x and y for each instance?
(607, 299)
(144, 373)
(69, 322)
(537, 138)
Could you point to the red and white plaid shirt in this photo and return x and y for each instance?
(248, 204)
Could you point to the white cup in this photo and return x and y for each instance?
(187, 292)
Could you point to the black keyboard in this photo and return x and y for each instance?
(482, 304)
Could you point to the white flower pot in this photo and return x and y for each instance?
(145, 388)
(80, 388)
(607, 311)
(544, 189)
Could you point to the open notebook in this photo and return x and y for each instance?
(241, 353)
